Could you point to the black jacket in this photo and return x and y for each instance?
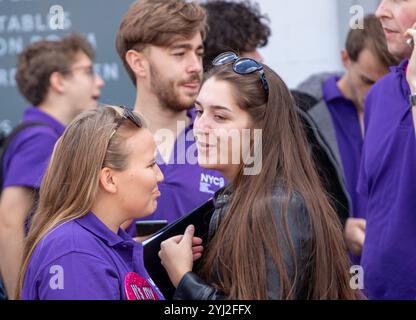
(192, 287)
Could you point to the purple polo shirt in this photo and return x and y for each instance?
(81, 260)
(186, 185)
(350, 142)
(387, 177)
(349, 139)
(27, 157)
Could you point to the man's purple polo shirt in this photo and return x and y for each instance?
(27, 157)
(186, 185)
(349, 139)
(350, 142)
(83, 259)
(387, 177)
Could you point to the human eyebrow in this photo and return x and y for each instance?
(186, 46)
(218, 107)
(180, 46)
(215, 107)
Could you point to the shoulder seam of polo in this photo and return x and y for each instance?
(45, 265)
(77, 251)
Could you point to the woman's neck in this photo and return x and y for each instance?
(108, 213)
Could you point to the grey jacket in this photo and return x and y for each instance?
(191, 287)
(320, 121)
(319, 112)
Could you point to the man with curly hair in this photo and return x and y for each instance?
(57, 79)
(234, 26)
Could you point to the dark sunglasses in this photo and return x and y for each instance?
(243, 66)
(127, 114)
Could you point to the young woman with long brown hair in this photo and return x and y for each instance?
(273, 234)
(102, 173)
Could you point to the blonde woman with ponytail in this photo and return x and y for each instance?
(102, 173)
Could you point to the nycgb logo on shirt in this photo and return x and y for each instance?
(210, 184)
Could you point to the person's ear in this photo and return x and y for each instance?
(345, 58)
(57, 82)
(107, 180)
(138, 63)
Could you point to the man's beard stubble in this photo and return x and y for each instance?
(165, 91)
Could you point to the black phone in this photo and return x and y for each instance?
(149, 227)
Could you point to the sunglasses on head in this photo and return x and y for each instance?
(127, 115)
(243, 66)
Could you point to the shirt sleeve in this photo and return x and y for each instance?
(192, 287)
(30, 160)
(78, 276)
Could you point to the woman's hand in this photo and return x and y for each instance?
(178, 254)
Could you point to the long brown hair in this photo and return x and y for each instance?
(248, 233)
(71, 181)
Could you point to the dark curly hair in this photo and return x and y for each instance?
(234, 26)
(40, 59)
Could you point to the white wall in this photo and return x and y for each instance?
(304, 37)
(307, 35)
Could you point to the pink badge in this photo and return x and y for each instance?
(138, 288)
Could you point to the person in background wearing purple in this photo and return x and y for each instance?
(339, 113)
(75, 248)
(57, 78)
(388, 168)
(161, 45)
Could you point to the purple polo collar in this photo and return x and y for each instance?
(91, 223)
